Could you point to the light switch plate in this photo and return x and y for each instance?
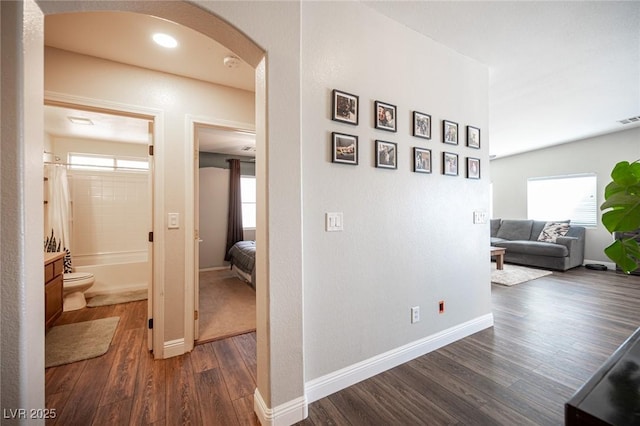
(173, 220)
(334, 222)
(479, 217)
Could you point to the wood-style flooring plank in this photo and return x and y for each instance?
(182, 399)
(244, 411)
(240, 382)
(121, 383)
(215, 405)
(149, 401)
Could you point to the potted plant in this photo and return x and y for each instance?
(622, 205)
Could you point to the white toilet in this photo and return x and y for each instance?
(74, 285)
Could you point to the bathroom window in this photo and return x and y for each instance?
(82, 161)
(248, 196)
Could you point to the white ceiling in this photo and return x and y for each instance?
(559, 71)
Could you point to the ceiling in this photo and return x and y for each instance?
(559, 71)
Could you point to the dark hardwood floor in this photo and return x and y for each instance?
(549, 336)
(212, 385)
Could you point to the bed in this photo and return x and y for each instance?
(243, 260)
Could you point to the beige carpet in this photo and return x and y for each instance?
(515, 274)
(227, 306)
(114, 299)
(69, 343)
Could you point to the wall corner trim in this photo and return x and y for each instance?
(284, 414)
(333, 382)
(173, 348)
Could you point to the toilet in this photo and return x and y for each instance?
(74, 285)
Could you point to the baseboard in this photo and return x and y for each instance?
(214, 268)
(284, 414)
(609, 265)
(173, 348)
(326, 385)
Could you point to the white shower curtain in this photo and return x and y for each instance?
(59, 206)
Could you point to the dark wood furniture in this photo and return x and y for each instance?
(53, 294)
(612, 394)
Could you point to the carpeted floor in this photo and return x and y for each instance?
(515, 274)
(227, 306)
(69, 343)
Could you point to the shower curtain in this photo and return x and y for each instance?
(58, 211)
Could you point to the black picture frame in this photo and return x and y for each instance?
(344, 148)
(421, 160)
(345, 107)
(385, 116)
(449, 164)
(421, 125)
(386, 154)
(473, 168)
(450, 132)
(473, 137)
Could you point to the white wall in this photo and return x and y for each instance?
(593, 155)
(214, 205)
(408, 238)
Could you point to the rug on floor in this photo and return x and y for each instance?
(69, 343)
(227, 306)
(515, 274)
(114, 299)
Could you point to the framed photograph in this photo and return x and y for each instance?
(450, 132)
(421, 125)
(421, 160)
(344, 148)
(449, 164)
(385, 118)
(386, 155)
(473, 137)
(345, 107)
(473, 168)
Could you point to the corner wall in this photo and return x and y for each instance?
(408, 238)
(593, 155)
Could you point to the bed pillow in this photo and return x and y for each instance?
(553, 230)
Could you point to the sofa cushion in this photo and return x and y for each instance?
(515, 229)
(553, 230)
(495, 225)
(535, 248)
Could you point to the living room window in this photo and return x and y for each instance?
(563, 197)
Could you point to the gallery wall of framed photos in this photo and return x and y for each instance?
(345, 109)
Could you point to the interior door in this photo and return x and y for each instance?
(150, 244)
(196, 240)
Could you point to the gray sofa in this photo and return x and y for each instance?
(520, 239)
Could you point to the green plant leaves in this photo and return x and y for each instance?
(622, 200)
(626, 254)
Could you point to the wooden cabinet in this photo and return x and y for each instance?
(53, 276)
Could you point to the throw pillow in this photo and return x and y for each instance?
(553, 230)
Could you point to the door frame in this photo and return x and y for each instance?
(155, 307)
(192, 225)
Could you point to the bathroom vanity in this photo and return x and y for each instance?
(53, 276)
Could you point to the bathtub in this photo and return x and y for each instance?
(114, 272)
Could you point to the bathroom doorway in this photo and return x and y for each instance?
(109, 170)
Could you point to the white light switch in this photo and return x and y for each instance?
(174, 220)
(479, 217)
(334, 222)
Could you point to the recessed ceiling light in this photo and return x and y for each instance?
(80, 120)
(165, 40)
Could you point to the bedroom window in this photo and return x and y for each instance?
(563, 197)
(248, 195)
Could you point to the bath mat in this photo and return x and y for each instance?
(114, 299)
(515, 274)
(69, 343)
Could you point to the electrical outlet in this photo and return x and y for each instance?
(441, 307)
(415, 314)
